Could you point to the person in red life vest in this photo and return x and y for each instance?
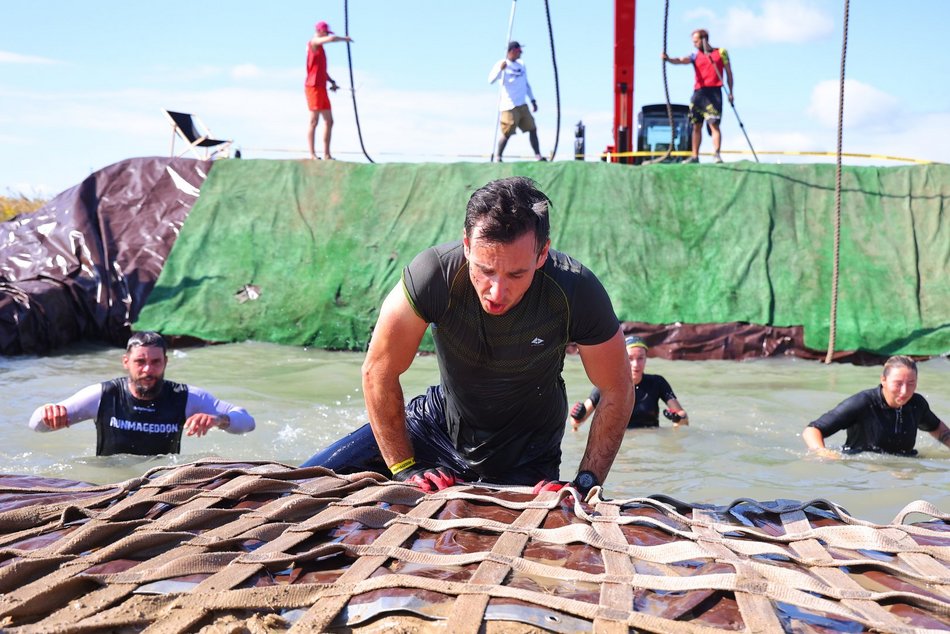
(710, 65)
(316, 86)
(142, 413)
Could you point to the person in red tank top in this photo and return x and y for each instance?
(316, 86)
(710, 66)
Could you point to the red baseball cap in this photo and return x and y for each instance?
(323, 25)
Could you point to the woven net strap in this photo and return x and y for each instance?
(616, 596)
(812, 549)
(469, 609)
(322, 613)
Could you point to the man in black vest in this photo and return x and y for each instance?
(143, 414)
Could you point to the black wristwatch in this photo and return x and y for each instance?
(585, 481)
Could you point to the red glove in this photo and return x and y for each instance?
(548, 485)
(428, 478)
(584, 482)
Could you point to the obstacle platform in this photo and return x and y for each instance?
(263, 547)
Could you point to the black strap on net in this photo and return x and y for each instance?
(557, 90)
(666, 90)
(349, 59)
(833, 326)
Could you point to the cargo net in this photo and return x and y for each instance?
(263, 547)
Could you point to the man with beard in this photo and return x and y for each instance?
(143, 414)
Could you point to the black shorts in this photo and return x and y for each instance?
(425, 422)
(706, 105)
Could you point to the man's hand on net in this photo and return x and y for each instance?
(429, 478)
(583, 482)
(548, 485)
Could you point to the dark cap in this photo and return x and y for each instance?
(512, 45)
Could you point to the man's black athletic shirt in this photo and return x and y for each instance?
(505, 401)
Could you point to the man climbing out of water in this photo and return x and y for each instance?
(316, 86)
(709, 64)
(502, 305)
(884, 419)
(649, 388)
(142, 413)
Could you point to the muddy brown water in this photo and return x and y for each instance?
(744, 440)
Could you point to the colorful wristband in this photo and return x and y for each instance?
(402, 466)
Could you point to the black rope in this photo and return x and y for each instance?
(349, 59)
(557, 90)
(837, 248)
(666, 90)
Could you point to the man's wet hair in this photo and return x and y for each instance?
(146, 338)
(899, 361)
(506, 209)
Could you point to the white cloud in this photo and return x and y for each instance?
(921, 137)
(707, 16)
(7, 57)
(397, 125)
(779, 22)
(246, 71)
(31, 190)
(864, 105)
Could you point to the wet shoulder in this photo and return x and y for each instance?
(562, 264)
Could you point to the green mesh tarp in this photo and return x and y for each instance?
(741, 242)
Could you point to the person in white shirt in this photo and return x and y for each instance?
(514, 100)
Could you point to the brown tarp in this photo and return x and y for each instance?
(82, 267)
(736, 341)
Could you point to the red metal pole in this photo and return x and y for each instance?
(625, 20)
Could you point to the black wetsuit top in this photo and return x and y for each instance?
(505, 401)
(646, 411)
(875, 426)
(125, 424)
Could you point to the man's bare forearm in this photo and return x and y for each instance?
(387, 418)
(606, 433)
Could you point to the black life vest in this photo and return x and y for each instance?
(125, 424)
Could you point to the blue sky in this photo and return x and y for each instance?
(82, 84)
